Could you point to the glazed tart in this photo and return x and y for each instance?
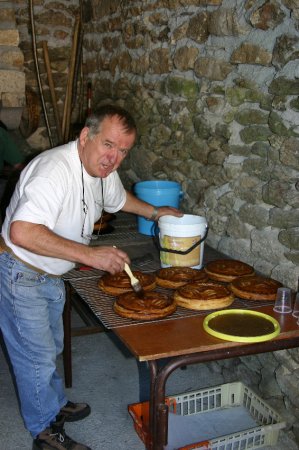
(120, 283)
(174, 277)
(255, 288)
(227, 269)
(203, 296)
(154, 305)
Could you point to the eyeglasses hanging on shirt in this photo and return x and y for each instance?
(85, 210)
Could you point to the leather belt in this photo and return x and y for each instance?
(5, 248)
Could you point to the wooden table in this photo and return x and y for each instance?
(182, 341)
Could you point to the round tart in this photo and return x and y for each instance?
(153, 306)
(101, 226)
(107, 217)
(120, 283)
(174, 277)
(227, 269)
(255, 287)
(203, 296)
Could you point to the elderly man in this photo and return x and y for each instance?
(48, 226)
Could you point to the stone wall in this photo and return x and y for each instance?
(214, 88)
(12, 78)
(54, 24)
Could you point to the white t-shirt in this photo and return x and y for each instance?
(50, 192)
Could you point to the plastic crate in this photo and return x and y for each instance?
(267, 422)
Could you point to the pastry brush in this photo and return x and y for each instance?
(135, 283)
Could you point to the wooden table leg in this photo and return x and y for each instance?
(67, 350)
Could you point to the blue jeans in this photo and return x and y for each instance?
(31, 307)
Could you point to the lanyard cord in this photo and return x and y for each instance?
(83, 198)
(85, 206)
(102, 188)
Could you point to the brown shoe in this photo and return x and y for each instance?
(75, 411)
(54, 438)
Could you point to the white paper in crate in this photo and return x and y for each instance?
(193, 428)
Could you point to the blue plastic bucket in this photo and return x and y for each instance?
(157, 193)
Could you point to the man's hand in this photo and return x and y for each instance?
(168, 211)
(136, 206)
(110, 259)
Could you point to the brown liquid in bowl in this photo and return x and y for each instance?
(243, 325)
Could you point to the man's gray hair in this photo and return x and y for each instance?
(94, 121)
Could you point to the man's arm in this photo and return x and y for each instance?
(39, 239)
(141, 208)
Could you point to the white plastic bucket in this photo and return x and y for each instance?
(182, 240)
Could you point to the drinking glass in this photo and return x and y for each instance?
(295, 312)
(283, 302)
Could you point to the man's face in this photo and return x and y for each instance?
(103, 153)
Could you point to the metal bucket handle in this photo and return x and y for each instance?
(179, 252)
